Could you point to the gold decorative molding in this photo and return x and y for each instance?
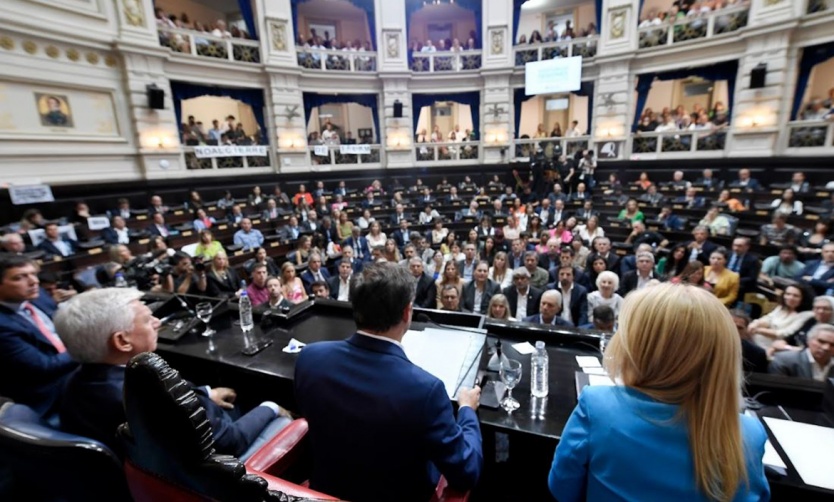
(52, 51)
(92, 58)
(73, 54)
(278, 29)
(134, 13)
(392, 44)
(496, 41)
(618, 24)
(110, 60)
(6, 43)
(30, 47)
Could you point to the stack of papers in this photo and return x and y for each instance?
(592, 367)
(809, 447)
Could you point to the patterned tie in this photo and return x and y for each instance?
(52, 337)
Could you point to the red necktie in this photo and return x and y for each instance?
(53, 339)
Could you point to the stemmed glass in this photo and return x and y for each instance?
(204, 311)
(510, 374)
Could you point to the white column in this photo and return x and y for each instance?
(497, 34)
(618, 32)
(276, 32)
(496, 131)
(290, 123)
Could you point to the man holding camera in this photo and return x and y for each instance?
(189, 278)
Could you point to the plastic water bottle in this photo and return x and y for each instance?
(246, 323)
(121, 282)
(539, 364)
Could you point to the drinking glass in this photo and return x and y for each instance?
(510, 374)
(204, 311)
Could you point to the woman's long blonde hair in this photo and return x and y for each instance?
(678, 344)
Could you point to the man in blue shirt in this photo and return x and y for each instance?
(247, 237)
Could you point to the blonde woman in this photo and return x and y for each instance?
(499, 271)
(291, 286)
(376, 237)
(606, 294)
(450, 277)
(499, 308)
(675, 411)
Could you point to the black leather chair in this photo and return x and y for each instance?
(46, 464)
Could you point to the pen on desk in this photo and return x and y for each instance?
(784, 412)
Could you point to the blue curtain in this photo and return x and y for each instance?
(366, 5)
(516, 17)
(253, 97)
(473, 99)
(811, 56)
(248, 17)
(599, 15)
(412, 6)
(314, 100)
(727, 70)
(586, 89)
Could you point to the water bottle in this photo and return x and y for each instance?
(246, 323)
(121, 282)
(539, 365)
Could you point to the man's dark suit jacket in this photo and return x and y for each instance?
(754, 358)
(50, 249)
(92, 407)
(306, 226)
(748, 273)
(820, 285)
(534, 295)
(154, 231)
(217, 288)
(361, 250)
(558, 321)
(578, 304)
(399, 238)
(372, 412)
(395, 222)
(580, 278)
(468, 299)
(333, 284)
(794, 364)
(110, 236)
(308, 280)
(752, 184)
(32, 372)
(703, 255)
(613, 260)
(426, 295)
(328, 234)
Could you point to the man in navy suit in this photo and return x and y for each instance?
(745, 264)
(55, 245)
(399, 215)
(819, 274)
(699, 248)
(574, 298)
(425, 295)
(745, 182)
(117, 232)
(315, 272)
(549, 307)
(159, 227)
(34, 363)
(104, 329)
(402, 235)
(373, 413)
(361, 250)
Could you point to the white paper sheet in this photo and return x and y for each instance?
(810, 449)
(524, 348)
(595, 371)
(600, 380)
(443, 353)
(772, 457)
(588, 362)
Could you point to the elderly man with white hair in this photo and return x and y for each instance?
(815, 362)
(103, 329)
(12, 243)
(549, 307)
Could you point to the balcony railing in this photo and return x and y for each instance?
(336, 60)
(811, 134)
(441, 152)
(332, 155)
(192, 162)
(815, 6)
(695, 27)
(204, 45)
(679, 141)
(445, 61)
(550, 148)
(585, 47)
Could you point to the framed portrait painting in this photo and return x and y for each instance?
(54, 110)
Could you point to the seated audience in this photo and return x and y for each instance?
(207, 248)
(404, 456)
(754, 358)
(607, 284)
(781, 266)
(823, 309)
(717, 223)
(187, 280)
(339, 284)
(103, 330)
(221, 280)
(116, 233)
(819, 274)
(292, 286)
(276, 296)
(574, 308)
(661, 382)
(639, 278)
(522, 298)
(478, 292)
(315, 272)
(56, 245)
(787, 204)
(724, 282)
(814, 362)
(745, 182)
(247, 237)
(793, 312)
(257, 290)
(550, 305)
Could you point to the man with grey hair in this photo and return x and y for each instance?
(12, 243)
(103, 329)
(549, 307)
(522, 297)
(640, 278)
(816, 362)
(425, 295)
(365, 391)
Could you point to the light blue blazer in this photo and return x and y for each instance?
(620, 444)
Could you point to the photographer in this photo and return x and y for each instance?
(189, 278)
(149, 272)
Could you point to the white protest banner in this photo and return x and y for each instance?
(355, 149)
(30, 194)
(321, 151)
(208, 152)
(98, 222)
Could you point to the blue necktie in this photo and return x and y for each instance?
(734, 262)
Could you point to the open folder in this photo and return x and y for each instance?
(449, 354)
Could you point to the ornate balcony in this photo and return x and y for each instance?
(336, 60)
(697, 27)
(193, 162)
(550, 148)
(323, 155)
(445, 61)
(447, 152)
(204, 45)
(585, 47)
(678, 141)
(811, 134)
